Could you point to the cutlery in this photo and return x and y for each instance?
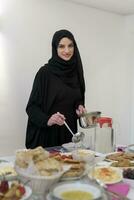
(77, 137)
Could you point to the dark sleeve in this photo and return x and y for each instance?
(34, 107)
(80, 102)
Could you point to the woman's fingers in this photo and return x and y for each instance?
(81, 109)
(61, 116)
(56, 118)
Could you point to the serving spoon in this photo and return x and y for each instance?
(77, 137)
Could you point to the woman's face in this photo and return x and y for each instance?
(65, 49)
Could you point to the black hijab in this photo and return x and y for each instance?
(70, 72)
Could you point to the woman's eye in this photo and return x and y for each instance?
(71, 45)
(61, 46)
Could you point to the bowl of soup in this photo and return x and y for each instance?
(75, 191)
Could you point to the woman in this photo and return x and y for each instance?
(57, 95)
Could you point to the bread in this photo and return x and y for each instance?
(73, 173)
(39, 158)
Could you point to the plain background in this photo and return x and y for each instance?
(106, 44)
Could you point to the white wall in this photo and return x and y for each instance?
(26, 30)
(129, 21)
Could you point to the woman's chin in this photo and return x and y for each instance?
(66, 58)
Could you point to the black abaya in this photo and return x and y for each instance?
(58, 97)
(58, 87)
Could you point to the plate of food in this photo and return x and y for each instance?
(108, 175)
(116, 156)
(77, 168)
(75, 191)
(121, 159)
(124, 163)
(76, 171)
(14, 190)
(7, 171)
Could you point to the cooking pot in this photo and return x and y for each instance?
(89, 120)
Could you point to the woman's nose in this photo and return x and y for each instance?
(66, 49)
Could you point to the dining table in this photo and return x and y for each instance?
(11, 158)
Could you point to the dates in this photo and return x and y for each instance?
(4, 186)
(11, 191)
(128, 173)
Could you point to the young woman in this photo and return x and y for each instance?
(57, 95)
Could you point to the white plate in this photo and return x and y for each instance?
(107, 174)
(76, 186)
(131, 149)
(27, 194)
(71, 146)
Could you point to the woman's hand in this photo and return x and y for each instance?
(81, 109)
(56, 118)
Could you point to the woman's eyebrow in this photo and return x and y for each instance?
(61, 45)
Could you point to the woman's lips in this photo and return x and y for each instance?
(67, 55)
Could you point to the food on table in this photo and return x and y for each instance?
(122, 163)
(128, 173)
(48, 166)
(76, 170)
(107, 174)
(24, 157)
(123, 159)
(61, 157)
(120, 156)
(76, 191)
(76, 195)
(7, 171)
(84, 152)
(39, 162)
(84, 155)
(13, 191)
(4, 186)
(77, 167)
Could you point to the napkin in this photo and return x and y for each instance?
(121, 188)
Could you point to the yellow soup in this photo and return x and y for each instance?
(77, 195)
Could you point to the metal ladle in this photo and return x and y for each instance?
(77, 137)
